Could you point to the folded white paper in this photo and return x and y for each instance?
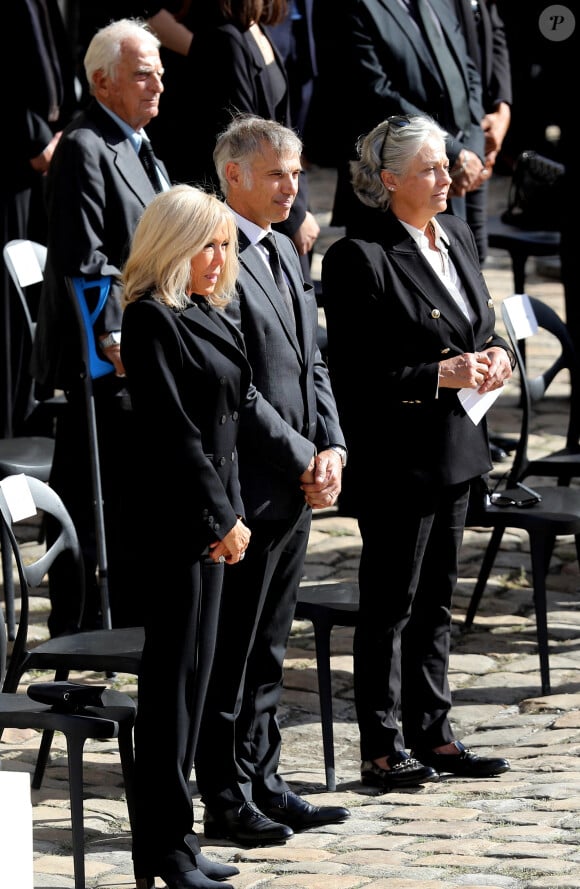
(475, 405)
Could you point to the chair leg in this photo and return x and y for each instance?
(75, 747)
(322, 639)
(540, 550)
(484, 572)
(42, 758)
(126, 753)
(8, 579)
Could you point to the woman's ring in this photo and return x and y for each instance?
(242, 556)
(221, 559)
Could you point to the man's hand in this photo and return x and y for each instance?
(467, 174)
(305, 237)
(325, 488)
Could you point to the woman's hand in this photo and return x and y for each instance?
(483, 371)
(232, 547)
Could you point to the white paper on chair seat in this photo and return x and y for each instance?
(16, 850)
(26, 263)
(521, 315)
(18, 497)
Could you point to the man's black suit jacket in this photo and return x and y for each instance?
(287, 369)
(96, 191)
(383, 67)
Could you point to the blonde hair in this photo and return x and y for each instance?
(174, 227)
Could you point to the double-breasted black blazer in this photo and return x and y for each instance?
(97, 190)
(288, 370)
(191, 390)
(390, 321)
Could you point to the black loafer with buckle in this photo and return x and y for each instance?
(464, 763)
(403, 771)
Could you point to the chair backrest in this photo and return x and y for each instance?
(516, 309)
(32, 571)
(24, 261)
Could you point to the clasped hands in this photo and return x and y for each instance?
(321, 481)
(484, 371)
(232, 547)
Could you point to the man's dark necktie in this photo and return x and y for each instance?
(452, 77)
(147, 158)
(281, 283)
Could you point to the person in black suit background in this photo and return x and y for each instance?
(192, 393)
(237, 759)
(97, 189)
(294, 37)
(40, 102)
(486, 42)
(378, 60)
(410, 307)
(250, 78)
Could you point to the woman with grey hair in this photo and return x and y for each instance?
(411, 324)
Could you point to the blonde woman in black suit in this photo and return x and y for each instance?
(190, 386)
(410, 323)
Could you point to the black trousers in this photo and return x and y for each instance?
(407, 577)
(239, 745)
(71, 479)
(182, 604)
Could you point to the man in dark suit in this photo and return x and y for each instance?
(96, 191)
(382, 58)
(40, 102)
(258, 164)
(487, 45)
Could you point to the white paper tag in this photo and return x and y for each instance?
(18, 497)
(521, 315)
(26, 263)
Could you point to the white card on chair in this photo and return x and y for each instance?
(26, 264)
(18, 497)
(521, 315)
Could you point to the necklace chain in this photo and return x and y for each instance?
(439, 251)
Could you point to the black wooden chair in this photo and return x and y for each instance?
(106, 651)
(327, 605)
(27, 451)
(558, 511)
(115, 719)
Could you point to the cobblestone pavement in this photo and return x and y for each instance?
(517, 831)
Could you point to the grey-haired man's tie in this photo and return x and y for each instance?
(281, 283)
(147, 158)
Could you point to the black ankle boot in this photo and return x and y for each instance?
(214, 869)
(191, 879)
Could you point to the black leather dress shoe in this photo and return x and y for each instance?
(246, 825)
(404, 771)
(465, 763)
(299, 814)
